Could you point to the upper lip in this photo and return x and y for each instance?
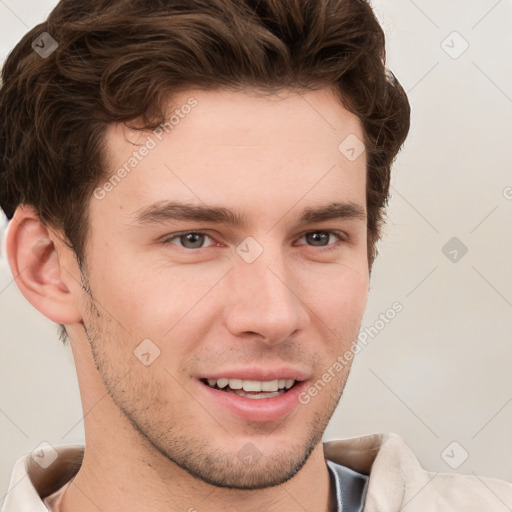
(258, 373)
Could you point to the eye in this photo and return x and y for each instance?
(320, 238)
(189, 239)
(195, 239)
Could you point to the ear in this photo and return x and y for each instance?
(40, 267)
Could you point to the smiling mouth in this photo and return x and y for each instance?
(254, 389)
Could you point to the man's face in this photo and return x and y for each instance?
(268, 299)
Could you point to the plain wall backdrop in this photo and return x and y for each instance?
(438, 372)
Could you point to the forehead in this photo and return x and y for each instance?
(241, 147)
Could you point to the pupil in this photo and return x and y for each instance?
(188, 238)
(318, 235)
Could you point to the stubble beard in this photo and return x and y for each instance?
(215, 466)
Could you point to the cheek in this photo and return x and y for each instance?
(158, 299)
(339, 310)
(156, 302)
(353, 293)
(337, 293)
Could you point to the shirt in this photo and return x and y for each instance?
(396, 481)
(348, 486)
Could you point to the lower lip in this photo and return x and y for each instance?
(256, 409)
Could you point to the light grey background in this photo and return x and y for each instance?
(439, 372)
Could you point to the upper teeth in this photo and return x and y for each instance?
(252, 385)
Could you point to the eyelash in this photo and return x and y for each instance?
(342, 237)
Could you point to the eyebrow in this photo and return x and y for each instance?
(163, 211)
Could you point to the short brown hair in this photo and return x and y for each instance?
(121, 60)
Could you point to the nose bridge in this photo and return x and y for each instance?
(263, 299)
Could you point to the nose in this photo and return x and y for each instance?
(262, 299)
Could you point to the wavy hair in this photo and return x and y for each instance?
(122, 60)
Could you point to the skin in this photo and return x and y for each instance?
(154, 439)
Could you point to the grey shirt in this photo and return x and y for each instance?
(349, 487)
(29, 482)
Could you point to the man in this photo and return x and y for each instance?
(196, 190)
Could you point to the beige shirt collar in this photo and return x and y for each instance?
(397, 481)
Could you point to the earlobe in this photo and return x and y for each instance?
(38, 268)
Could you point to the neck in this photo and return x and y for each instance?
(116, 476)
(122, 470)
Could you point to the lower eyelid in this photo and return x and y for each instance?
(170, 239)
(341, 237)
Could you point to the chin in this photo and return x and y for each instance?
(245, 471)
